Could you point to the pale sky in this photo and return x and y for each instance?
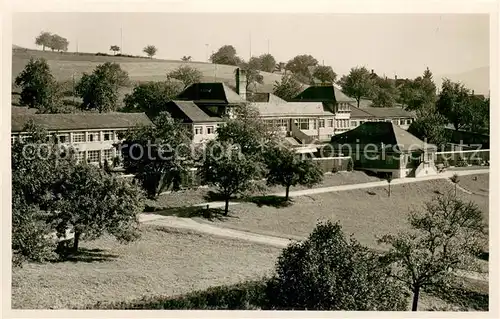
(391, 44)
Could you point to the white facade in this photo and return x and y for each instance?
(203, 132)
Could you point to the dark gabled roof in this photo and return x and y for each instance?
(216, 93)
(193, 112)
(80, 121)
(323, 93)
(381, 134)
(387, 112)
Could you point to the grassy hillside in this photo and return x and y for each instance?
(65, 65)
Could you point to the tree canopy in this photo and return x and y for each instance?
(287, 88)
(152, 97)
(150, 50)
(225, 55)
(39, 87)
(357, 84)
(448, 235)
(114, 48)
(186, 74)
(325, 74)
(253, 75)
(52, 41)
(328, 271)
(99, 90)
(454, 103)
(300, 66)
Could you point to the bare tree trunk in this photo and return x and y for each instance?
(287, 192)
(389, 189)
(455, 189)
(226, 208)
(416, 292)
(76, 241)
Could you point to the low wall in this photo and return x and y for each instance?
(329, 164)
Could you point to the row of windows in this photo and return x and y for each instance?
(95, 156)
(342, 123)
(77, 137)
(198, 130)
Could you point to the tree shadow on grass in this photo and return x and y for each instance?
(270, 200)
(210, 214)
(463, 297)
(84, 255)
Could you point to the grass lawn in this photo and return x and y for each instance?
(163, 261)
(198, 196)
(65, 65)
(479, 186)
(366, 213)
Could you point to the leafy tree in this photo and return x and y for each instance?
(253, 75)
(328, 271)
(384, 93)
(225, 55)
(186, 74)
(226, 168)
(247, 130)
(99, 90)
(267, 62)
(39, 87)
(114, 48)
(44, 39)
(430, 127)
(455, 179)
(58, 43)
(300, 66)
(357, 84)
(418, 93)
(388, 178)
(325, 74)
(150, 50)
(157, 155)
(287, 88)
(90, 203)
(152, 97)
(281, 66)
(186, 58)
(286, 168)
(480, 122)
(447, 236)
(454, 104)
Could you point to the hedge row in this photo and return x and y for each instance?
(249, 295)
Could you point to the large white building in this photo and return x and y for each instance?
(92, 135)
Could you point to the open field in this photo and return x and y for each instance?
(163, 261)
(366, 213)
(66, 65)
(198, 196)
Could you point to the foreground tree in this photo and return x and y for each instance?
(150, 50)
(328, 271)
(186, 74)
(226, 168)
(157, 155)
(152, 97)
(90, 203)
(99, 90)
(446, 237)
(287, 88)
(357, 84)
(325, 74)
(286, 168)
(225, 55)
(39, 87)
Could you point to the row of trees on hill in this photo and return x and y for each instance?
(54, 42)
(100, 89)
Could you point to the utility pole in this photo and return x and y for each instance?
(206, 52)
(268, 44)
(121, 40)
(77, 45)
(250, 38)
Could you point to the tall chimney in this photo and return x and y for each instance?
(241, 83)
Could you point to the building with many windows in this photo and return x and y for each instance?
(93, 135)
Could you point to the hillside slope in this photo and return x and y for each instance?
(66, 65)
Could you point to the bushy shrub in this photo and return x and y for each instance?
(329, 272)
(241, 296)
(462, 162)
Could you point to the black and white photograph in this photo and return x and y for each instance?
(259, 161)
